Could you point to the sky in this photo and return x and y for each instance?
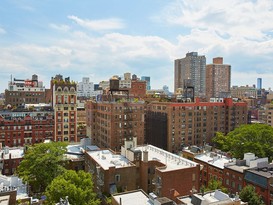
(102, 38)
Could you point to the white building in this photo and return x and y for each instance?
(86, 88)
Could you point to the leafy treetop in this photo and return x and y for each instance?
(41, 164)
(254, 138)
(78, 186)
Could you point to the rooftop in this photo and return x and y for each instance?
(216, 197)
(238, 168)
(137, 197)
(266, 171)
(76, 152)
(12, 183)
(106, 159)
(13, 153)
(217, 160)
(170, 160)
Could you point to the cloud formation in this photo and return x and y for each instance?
(241, 35)
(98, 25)
(246, 19)
(61, 27)
(2, 31)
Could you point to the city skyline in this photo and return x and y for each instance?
(98, 39)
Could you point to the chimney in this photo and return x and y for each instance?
(145, 156)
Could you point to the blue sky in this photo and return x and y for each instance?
(99, 39)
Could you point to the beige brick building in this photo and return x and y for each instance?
(217, 79)
(64, 103)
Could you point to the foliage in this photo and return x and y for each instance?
(249, 195)
(78, 186)
(41, 164)
(213, 185)
(254, 138)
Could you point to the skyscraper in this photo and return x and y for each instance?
(217, 79)
(191, 67)
(148, 81)
(259, 83)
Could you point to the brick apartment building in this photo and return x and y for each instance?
(165, 174)
(213, 166)
(26, 127)
(146, 167)
(81, 122)
(261, 177)
(171, 126)
(26, 91)
(64, 103)
(233, 176)
(111, 172)
(138, 89)
(110, 123)
(10, 159)
(218, 79)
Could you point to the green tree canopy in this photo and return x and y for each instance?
(213, 185)
(78, 186)
(249, 195)
(41, 164)
(254, 138)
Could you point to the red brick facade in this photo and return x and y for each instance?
(22, 128)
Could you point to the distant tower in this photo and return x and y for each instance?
(148, 81)
(218, 79)
(191, 67)
(259, 83)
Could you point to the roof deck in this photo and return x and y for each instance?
(106, 159)
(171, 161)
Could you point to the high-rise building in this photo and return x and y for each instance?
(110, 123)
(64, 103)
(217, 79)
(148, 81)
(191, 67)
(259, 83)
(172, 126)
(85, 88)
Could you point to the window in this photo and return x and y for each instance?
(239, 187)
(117, 178)
(227, 181)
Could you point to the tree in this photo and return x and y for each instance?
(213, 185)
(41, 164)
(78, 186)
(255, 138)
(249, 195)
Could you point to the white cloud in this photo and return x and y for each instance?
(238, 18)
(81, 54)
(98, 25)
(2, 31)
(62, 27)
